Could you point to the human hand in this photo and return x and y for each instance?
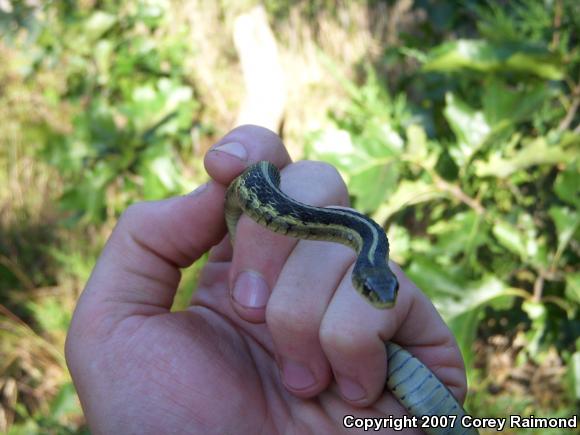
(246, 360)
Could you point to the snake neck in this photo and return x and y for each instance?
(257, 194)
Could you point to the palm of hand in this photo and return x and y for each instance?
(206, 371)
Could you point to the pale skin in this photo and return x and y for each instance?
(290, 349)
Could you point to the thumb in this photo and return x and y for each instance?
(138, 271)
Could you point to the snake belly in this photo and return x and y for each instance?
(256, 193)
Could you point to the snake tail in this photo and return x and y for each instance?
(423, 394)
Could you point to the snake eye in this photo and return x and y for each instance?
(368, 290)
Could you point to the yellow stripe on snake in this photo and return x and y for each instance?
(256, 193)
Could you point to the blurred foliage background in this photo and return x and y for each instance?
(455, 124)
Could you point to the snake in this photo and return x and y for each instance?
(256, 193)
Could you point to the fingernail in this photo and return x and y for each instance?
(350, 389)
(251, 290)
(199, 189)
(235, 149)
(297, 376)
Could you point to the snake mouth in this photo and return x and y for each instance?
(383, 305)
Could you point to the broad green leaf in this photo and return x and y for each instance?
(371, 186)
(486, 56)
(159, 171)
(535, 245)
(97, 24)
(461, 233)
(567, 222)
(368, 166)
(335, 146)
(434, 279)
(103, 55)
(533, 152)
(504, 106)
(461, 311)
(573, 287)
(399, 241)
(535, 310)
(464, 329)
(151, 104)
(537, 313)
(566, 185)
(488, 291)
(418, 147)
(408, 193)
(470, 128)
(510, 237)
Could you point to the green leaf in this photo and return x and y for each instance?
(504, 106)
(567, 222)
(538, 314)
(433, 279)
(65, 402)
(369, 166)
(489, 291)
(336, 147)
(418, 148)
(159, 171)
(566, 186)
(464, 328)
(485, 56)
(103, 55)
(533, 152)
(462, 310)
(470, 128)
(97, 24)
(408, 193)
(400, 243)
(417, 142)
(510, 237)
(371, 186)
(462, 232)
(51, 314)
(573, 287)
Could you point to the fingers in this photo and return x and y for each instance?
(324, 330)
(351, 335)
(354, 345)
(295, 311)
(260, 254)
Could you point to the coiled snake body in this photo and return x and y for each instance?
(256, 193)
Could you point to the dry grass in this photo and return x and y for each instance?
(348, 35)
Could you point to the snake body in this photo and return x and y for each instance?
(256, 193)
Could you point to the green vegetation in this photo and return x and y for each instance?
(461, 135)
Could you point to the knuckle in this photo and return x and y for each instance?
(325, 171)
(133, 213)
(336, 339)
(317, 183)
(287, 322)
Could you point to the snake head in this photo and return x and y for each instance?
(378, 286)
